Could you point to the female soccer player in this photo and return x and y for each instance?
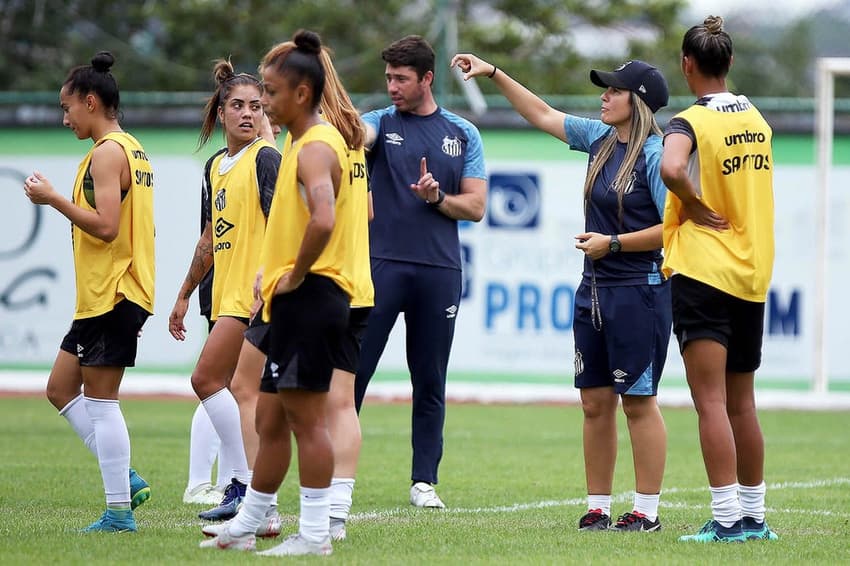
(306, 284)
(622, 309)
(111, 213)
(718, 233)
(242, 179)
(344, 425)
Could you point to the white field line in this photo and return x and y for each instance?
(618, 498)
(400, 512)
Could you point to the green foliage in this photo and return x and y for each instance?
(170, 44)
(512, 477)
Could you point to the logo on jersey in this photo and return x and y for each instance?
(630, 183)
(222, 227)
(514, 201)
(451, 312)
(220, 200)
(393, 138)
(452, 146)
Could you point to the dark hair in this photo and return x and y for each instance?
(710, 47)
(298, 61)
(411, 51)
(225, 79)
(97, 79)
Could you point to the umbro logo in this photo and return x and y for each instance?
(80, 350)
(620, 375)
(222, 227)
(393, 138)
(274, 369)
(451, 312)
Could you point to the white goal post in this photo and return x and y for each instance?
(827, 69)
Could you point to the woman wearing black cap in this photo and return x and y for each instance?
(622, 313)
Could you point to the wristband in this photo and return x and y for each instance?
(493, 72)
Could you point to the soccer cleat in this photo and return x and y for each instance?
(754, 530)
(712, 531)
(338, 529)
(203, 494)
(296, 545)
(227, 509)
(636, 521)
(423, 495)
(113, 521)
(140, 491)
(594, 520)
(225, 541)
(269, 528)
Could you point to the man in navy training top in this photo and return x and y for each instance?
(426, 171)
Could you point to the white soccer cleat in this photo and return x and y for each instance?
(225, 541)
(296, 545)
(203, 494)
(423, 495)
(269, 528)
(338, 529)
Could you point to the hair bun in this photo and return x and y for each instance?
(223, 70)
(308, 41)
(102, 61)
(713, 24)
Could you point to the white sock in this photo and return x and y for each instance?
(225, 471)
(203, 446)
(599, 502)
(224, 414)
(341, 495)
(76, 414)
(113, 449)
(752, 501)
(314, 523)
(725, 506)
(252, 512)
(647, 504)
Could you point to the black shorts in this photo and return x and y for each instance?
(306, 330)
(701, 311)
(347, 358)
(257, 334)
(107, 340)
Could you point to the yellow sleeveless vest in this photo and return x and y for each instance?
(735, 177)
(107, 272)
(238, 226)
(289, 216)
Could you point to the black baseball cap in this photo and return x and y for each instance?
(639, 77)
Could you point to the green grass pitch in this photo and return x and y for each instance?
(512, 477)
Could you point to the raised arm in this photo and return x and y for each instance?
(530, 106)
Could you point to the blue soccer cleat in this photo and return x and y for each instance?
(754, 530)
(229, 506)
(140, 491)
(113, 521)
(712, 531)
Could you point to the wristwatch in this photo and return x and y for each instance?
(614, 245)
(441, 196)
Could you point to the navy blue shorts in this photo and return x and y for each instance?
(701, 311)
(306, 330)
(628, 352)
(107, 340)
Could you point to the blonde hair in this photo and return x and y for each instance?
(643, 125)
(335, 103)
